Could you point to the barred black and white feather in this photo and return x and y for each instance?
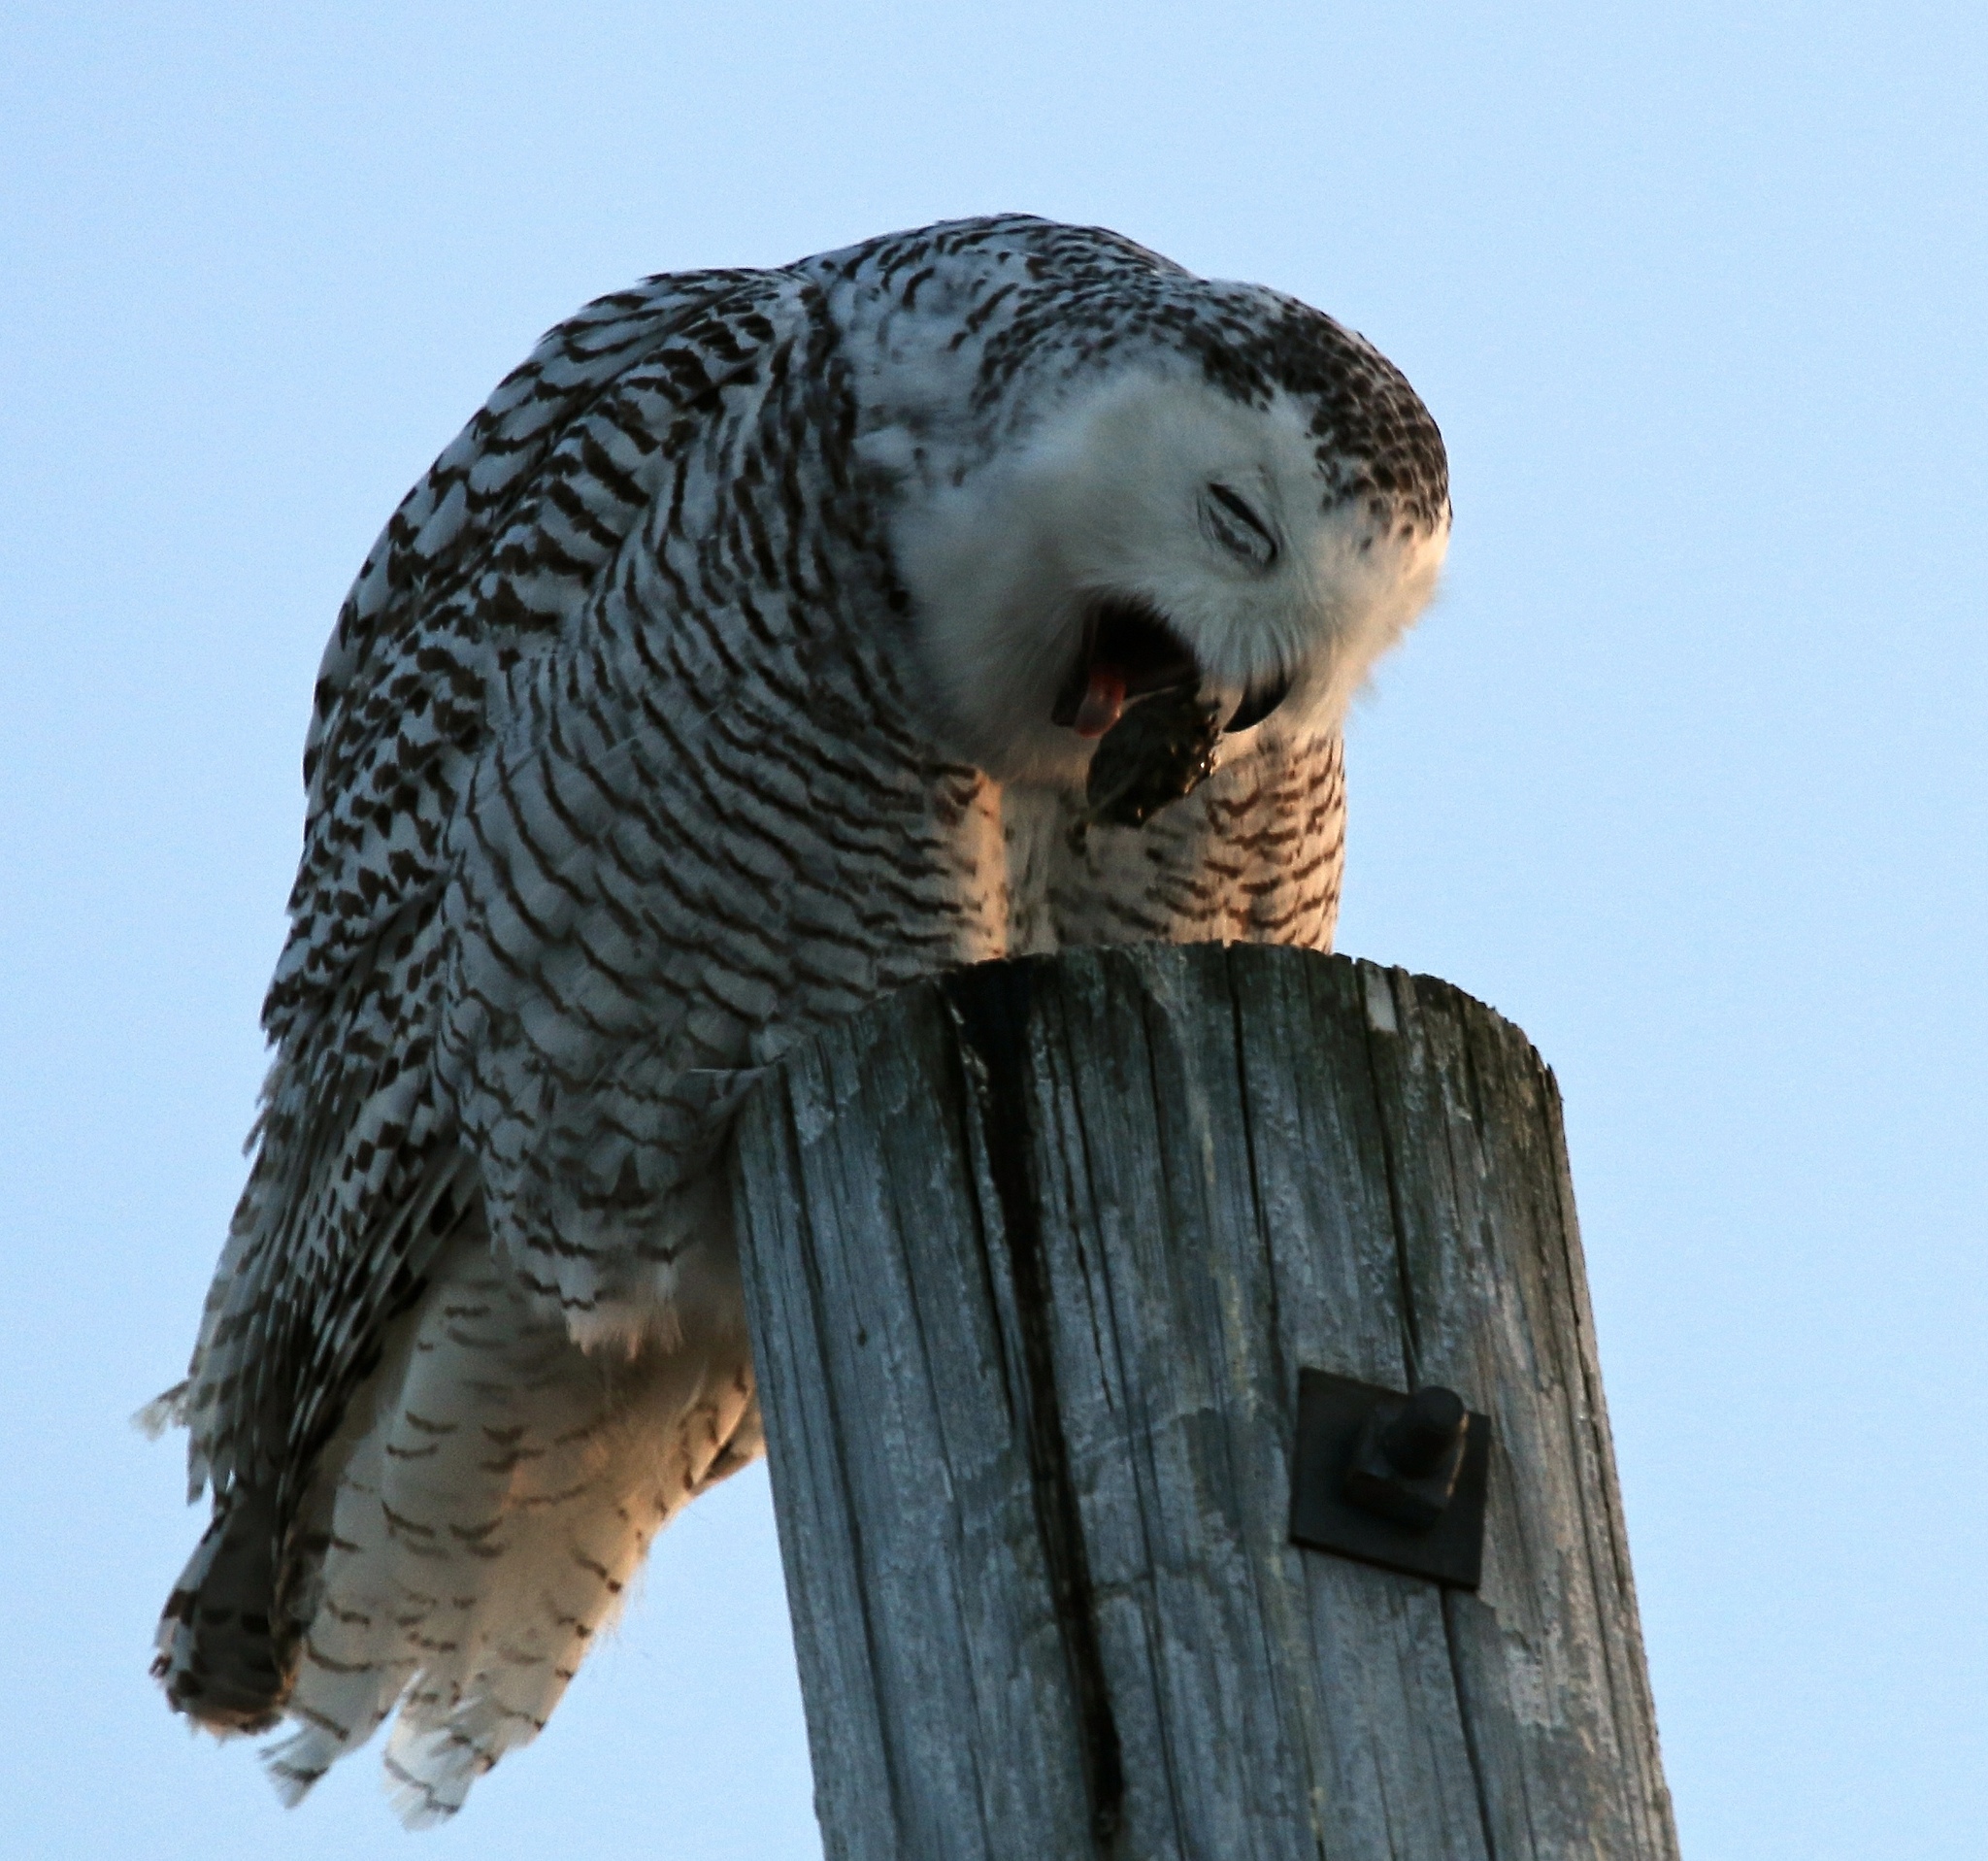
(705, 690)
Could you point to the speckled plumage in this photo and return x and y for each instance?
(648, 738)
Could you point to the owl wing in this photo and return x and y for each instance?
(485, 575)
(614, 781)
(693, 842)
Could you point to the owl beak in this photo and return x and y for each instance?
(1258, 702)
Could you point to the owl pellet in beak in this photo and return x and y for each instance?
(1161, 750)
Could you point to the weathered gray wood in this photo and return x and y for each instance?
(1033, 1259)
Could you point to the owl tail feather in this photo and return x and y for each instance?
(226, 1656)
(490, 1507)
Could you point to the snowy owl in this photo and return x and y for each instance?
(768, 640)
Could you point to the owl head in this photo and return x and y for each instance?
(1259, 515)
(1153, 530)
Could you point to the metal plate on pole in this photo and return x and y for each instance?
(1333, 1415)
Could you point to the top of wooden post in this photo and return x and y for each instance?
(1035, 1254)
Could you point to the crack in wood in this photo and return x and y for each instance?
(990, 1008)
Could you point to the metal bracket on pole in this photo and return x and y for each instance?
(1390, 1478)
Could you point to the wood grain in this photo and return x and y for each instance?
(1033, 1255)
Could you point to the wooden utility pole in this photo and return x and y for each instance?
(1034, 1255)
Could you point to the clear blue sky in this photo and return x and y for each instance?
(1685, 773)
